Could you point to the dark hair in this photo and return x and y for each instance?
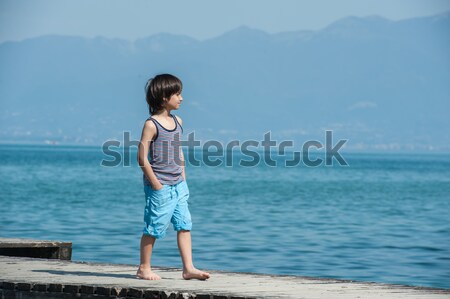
(160, 87)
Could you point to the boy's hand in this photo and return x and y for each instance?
(157, 187)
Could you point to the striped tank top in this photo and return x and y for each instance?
(165, 154)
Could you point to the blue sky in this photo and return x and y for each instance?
(201, 19)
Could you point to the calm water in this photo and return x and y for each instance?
(384, 218)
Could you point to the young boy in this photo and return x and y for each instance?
(166, 192)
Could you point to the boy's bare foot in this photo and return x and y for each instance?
(146, 273)
(195, 274)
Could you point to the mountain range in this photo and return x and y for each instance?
(381, 84)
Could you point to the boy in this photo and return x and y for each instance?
(166, 190)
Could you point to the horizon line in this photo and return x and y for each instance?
(133, 40)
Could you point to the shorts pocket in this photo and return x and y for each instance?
(159, 197)
(159, 190)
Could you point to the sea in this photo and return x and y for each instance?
(384, 217)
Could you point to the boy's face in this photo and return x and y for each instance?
(174, 102)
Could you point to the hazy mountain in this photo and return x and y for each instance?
(379, 83)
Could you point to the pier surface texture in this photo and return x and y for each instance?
(24, 277)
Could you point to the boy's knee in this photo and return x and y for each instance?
(147, 236)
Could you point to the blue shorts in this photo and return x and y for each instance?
(169, 204)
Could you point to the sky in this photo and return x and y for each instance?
(200, 19)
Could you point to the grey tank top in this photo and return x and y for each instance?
(165, 154)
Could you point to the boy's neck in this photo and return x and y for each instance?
(164, 113)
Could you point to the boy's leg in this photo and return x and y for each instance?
(158, 211)
(185, 247)
(145, 270)
(182, 223)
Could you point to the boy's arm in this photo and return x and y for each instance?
(180, 121)
(148, 132)
(182, 163)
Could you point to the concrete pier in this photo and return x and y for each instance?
(36, 248)
(22, 277)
